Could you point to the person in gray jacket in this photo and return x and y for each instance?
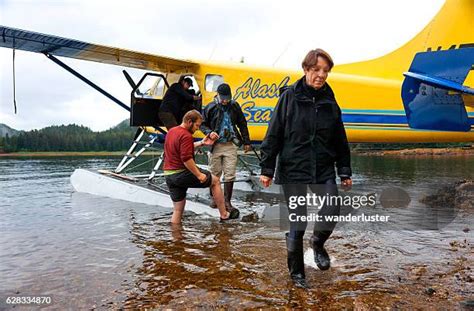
(225, 122)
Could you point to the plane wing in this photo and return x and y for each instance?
(47, 44)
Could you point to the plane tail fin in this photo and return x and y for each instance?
(452, 28)
(437, 70)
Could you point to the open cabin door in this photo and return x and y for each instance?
(146, 98)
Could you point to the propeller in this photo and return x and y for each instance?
(130, 81)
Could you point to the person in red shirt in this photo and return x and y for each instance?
(181, 171)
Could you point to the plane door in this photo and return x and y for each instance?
(146, 98)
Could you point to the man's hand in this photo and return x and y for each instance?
(346, 184)
(207, 141)
(214, 136)
(247, 148)
(266, 181)
(202, 178)
(196, 97)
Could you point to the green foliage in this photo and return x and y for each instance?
(70, 138)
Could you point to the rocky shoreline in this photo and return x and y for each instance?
(460, 195)
(457, 151)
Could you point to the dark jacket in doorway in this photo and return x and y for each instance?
(175, 101)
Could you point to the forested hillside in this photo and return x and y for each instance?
(70, 138)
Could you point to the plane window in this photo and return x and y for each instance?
(159, 88)
(213, 81)
(152, 87)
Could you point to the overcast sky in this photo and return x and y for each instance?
(262, 32)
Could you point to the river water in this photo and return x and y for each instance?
(91, 252)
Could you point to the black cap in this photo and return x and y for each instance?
(224, 91)
(188, 81)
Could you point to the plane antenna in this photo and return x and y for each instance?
(281, 54)
(213, 50)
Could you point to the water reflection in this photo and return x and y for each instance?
(91, 252)
(197, 262)
(207, 264)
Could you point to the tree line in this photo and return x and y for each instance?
(70, 138)
(119, 138)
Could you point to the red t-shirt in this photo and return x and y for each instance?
(179, 148)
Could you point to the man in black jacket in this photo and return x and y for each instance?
(306, 137)
(174, 102)
(224, 121)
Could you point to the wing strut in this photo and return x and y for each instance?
(84, 79)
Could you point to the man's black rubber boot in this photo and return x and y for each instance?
(321, 256)
(228, 189)
(296, 261)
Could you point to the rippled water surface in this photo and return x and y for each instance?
(93, 252)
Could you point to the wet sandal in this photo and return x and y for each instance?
(233, 214)
(226, 219)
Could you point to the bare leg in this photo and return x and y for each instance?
(178, 211)
(218, 197)
(177, 231)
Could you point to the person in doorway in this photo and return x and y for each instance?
(180, 168)
(224, 122)
(307, 138)
(175, 101)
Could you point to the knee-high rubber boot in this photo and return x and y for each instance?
(296, 261)
(228, 189)
(321, 256)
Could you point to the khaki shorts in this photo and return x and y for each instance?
(223, 159)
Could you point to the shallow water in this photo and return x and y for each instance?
(92, 252)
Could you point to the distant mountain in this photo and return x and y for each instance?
(124, 125)
(5, 129)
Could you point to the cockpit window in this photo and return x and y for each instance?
(213, 81)
(159, 88)
(151, 87)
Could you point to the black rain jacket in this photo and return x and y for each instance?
(305, 137)
(175, 101)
